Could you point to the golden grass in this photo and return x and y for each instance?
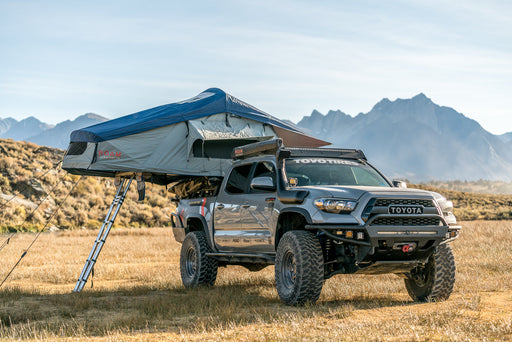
(138, 295)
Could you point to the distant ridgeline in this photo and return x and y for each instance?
(418, 140)
(33, 130)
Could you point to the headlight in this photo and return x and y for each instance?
(445, 205)
(335, 206)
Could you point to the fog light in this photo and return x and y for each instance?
(349, 234)
(448, 235)
(339, 232)
(360, 235)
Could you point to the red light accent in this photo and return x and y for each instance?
(406, 248)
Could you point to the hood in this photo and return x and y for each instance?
(355, 192)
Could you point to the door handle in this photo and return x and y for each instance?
(220, 206)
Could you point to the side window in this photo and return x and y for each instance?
(265, 169)
(238, 180)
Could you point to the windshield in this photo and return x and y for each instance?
(327, 171)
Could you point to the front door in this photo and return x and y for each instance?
(258, 214)
(227, 212)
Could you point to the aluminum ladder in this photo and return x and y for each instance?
(122, 189)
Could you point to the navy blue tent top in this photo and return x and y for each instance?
(209, 102)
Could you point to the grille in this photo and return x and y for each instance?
(384, 202)
(405, 221)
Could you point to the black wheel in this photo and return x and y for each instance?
(433, 281)
(197, 268)
(299, 268)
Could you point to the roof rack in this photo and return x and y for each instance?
(276, 147)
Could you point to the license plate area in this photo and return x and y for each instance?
(405, 209)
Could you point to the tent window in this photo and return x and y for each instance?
(220, 149)
(76, 148)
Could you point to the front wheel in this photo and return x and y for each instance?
(433, 281)
(196, 267)
(299, 268)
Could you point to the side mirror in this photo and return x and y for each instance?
(263, 183)
(399, 184)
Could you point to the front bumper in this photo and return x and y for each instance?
(387, 235)
(398, 245)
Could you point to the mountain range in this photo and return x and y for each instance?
(33, 130)
(418, 140)
(413, 139)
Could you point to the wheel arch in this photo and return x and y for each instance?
(198, 223)
(291, 219)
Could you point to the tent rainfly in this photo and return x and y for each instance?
(194, 137)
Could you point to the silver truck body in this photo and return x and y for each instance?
(386, 229)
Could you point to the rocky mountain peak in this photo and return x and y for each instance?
(92, 116)
(417, 139)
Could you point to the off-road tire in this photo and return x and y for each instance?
(195, 266)
(434, 281)
(299, 268)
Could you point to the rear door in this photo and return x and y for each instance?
(227, 212)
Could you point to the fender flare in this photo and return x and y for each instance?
(294, 210)
(297, 210)
(209, 235)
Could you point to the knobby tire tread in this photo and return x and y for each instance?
(206, 266)
(309, 263)
(441, 286)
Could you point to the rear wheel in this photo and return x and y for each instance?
(299, 268)
(434, 280)
(196, 267)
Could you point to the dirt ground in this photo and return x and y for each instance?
(137, 295)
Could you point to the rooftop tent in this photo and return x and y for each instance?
(194, 137)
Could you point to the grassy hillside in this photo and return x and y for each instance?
(23, 171)
(26, 170)
(475, 206)
(480, 186)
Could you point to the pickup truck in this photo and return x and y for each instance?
(313, 213)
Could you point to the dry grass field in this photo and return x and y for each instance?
(137, 295)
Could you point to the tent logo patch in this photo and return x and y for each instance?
(109, 154)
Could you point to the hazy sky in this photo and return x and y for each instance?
(60, 59)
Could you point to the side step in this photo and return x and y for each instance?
(245, 258)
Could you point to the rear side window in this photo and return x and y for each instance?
(238, 181)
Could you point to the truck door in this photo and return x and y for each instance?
(258, 213)
(226, 218)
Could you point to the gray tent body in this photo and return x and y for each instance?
(196, 145)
